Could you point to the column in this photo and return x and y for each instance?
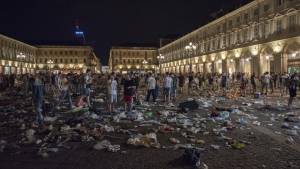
(255, 68)
(204, 68)
(280, 62)
(237, 65)
(224, 66)
(213, 67)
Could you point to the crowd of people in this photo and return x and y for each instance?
(75, 89)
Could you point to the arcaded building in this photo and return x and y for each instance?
(261, 36)
(133, 59)
(17, 57)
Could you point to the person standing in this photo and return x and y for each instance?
(151, 85)
(292, 89)
(128, 92)
(38, 98)
(65, 92)
(253, 83)
(174, 86)
(181, 82)
(224, 83)
(167, 87)
(87, 84)
(112, 89)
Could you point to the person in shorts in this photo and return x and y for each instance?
(112, 90)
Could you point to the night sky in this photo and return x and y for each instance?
(106, 22)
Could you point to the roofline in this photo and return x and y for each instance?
(23, 43)
(63, 46)
(134, 48)
(232, 13)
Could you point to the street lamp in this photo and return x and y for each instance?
(21, 56)
(50, 62)
(159, 58)
(190, 49)
(145, 62)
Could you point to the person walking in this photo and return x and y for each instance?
(38, 98)
(292, 89)
(167, 87)
(87, 84)
(151, 86)
(112, 90)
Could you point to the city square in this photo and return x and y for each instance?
(141, 85)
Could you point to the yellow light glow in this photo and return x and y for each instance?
(254, 50)
(237, 53)
(2, 62)
(213, 57)
(61, 66)
(277, 46)
(204, 58)
(223, 55)
(9, 63)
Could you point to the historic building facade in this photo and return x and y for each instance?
(135, 59)
(67, 59)
(261, 36)
(17, 57)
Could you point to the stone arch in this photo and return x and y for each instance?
(266, 59)
(291, 53)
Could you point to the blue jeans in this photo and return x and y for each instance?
(151, 92)
(66, 94)
(38, 95)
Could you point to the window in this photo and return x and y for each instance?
(238, 20)
(292, 22)
(71, 60)
(76, 60)
(256, 31)
(55, 60)
(84, 60)
(60, 52)
(45, 60)
(266, 7)
(279, 3)
(66, 60)
(279, 26)
(61, 60)
(246, 18)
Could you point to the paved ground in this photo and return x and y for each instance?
(267, 145)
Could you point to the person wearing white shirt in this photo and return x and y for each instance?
(151, 84)
(112, 87)
(167, 87)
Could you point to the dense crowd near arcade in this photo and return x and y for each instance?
(76, 89)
